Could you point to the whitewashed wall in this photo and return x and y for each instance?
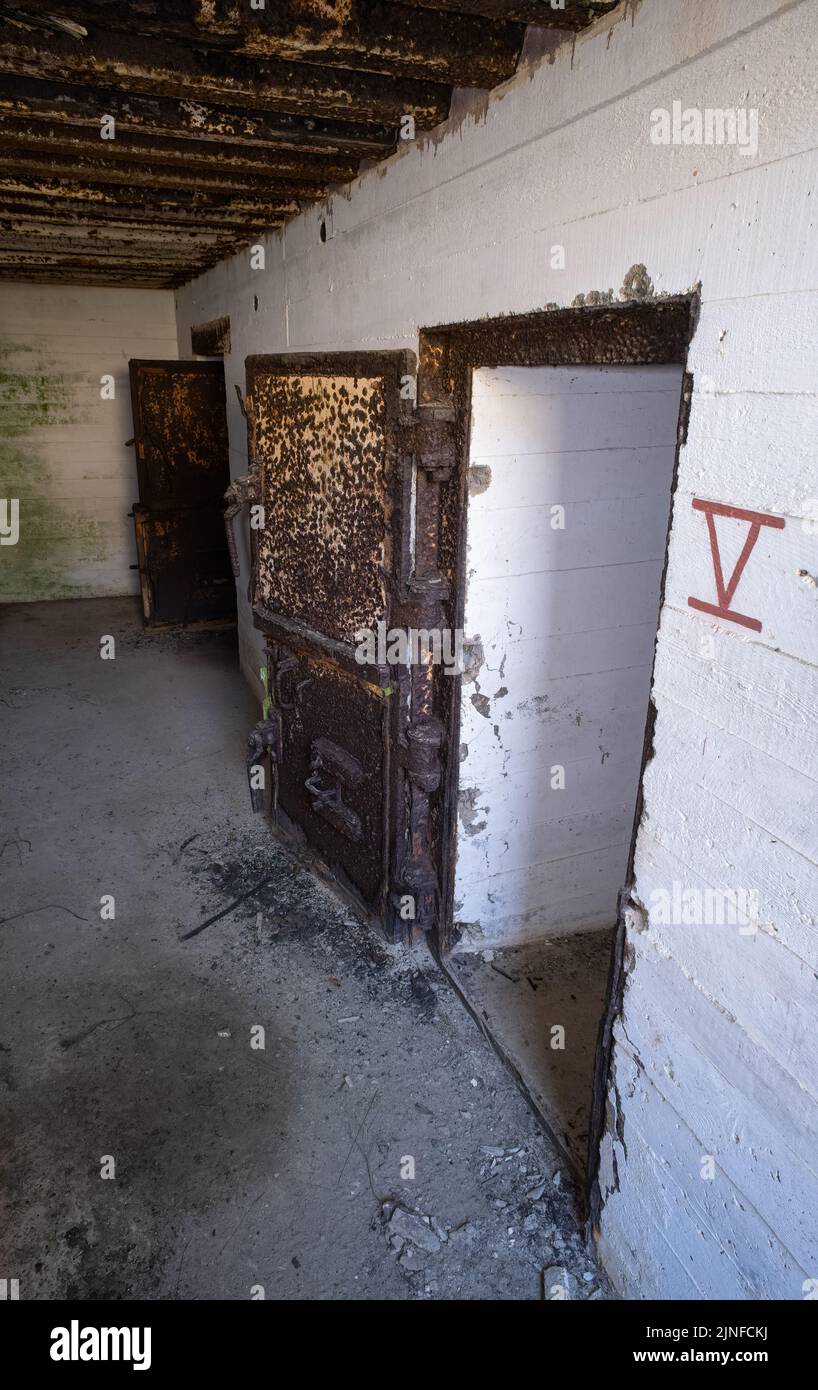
(566, 534)
(715, 1050)
(62, 447)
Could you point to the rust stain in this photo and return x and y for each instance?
(325, 548)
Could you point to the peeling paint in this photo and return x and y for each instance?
(473, 659)
(469, 811)
(479, 479)
(482, 704)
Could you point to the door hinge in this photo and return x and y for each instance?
(240, 493)
(434, 440)
(264, 740)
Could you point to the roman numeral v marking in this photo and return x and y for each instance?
(726, 591)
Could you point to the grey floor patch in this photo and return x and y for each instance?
(543, 1004)
(130, 1043)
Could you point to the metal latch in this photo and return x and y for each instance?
(264, 741)
(240, 493)
(328, 761)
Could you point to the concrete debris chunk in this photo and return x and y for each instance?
(440, 1231)
(467, 1234)
(414, 1230)
(556, 1283)
(411, 1261)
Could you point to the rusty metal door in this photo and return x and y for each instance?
(180, 435)
(331, 470)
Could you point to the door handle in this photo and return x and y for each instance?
(264, 741)
(238, 495)
(313, 785)
(289, 663)
(327, 803)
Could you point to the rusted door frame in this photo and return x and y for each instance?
(649, 333)
(645, 333)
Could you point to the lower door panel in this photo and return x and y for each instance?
(184, 565)
(334, 766)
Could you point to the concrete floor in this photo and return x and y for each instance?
(526, 994)
(128, 1041)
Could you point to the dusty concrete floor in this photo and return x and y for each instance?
(234, 1167)
(543, 1004)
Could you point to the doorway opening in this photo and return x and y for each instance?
(183, 470)
(570, 481)
(568, 435)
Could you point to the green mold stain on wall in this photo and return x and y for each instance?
(54, 540)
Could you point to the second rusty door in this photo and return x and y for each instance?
(180, 434)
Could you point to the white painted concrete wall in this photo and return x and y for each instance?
(715, 1051)
(566, 547)
(62, 447)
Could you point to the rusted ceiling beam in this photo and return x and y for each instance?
(70, 212)
(164, 116)
(139, 255)
(460, 50)
(85, 169)
(29, 226)
(156, 68)
(125, 279)
(82, 260)
(37, 235)
(122, 269)
(378, 36)
(575, 14)
(115, 196)
(70, 141)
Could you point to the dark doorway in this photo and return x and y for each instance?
(180, 435)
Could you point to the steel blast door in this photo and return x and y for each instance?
(180, 434)
(331, 461)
